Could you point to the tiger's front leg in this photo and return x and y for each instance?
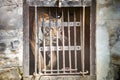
(52, 61)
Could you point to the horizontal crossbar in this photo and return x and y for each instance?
(65, 24)
(60, 48)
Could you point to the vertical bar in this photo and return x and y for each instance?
(38, 51)
(26, 47)
(36, 39)
(63, 44)
(81, 34)
(69, 41)
(44, 52)
(75, 39)
(83, 42)
(40, 55)
(51, 55)
(57, 42)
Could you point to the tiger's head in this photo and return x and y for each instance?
(54, 33)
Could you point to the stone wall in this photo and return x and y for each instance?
(10, 39)
(108, 39)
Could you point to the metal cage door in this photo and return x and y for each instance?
(60, 38)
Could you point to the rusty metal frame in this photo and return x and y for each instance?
(26, 37)
(93, 38)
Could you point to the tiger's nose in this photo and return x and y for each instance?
(54, 34)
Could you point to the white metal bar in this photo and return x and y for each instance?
(48, 74)
(83, 42)
(63, 41)
(61, 48)
(62, 70)
(70, 63)
(75, 39)
(81, 35)
(57, 42)
(44, 52)
(38, 44)
(51, 55)
(71, 24)
(36, 26)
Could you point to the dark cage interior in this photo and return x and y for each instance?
(56, 40)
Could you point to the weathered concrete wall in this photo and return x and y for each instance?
(10, 39)
(107, 38)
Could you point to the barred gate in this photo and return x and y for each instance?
(59, 37)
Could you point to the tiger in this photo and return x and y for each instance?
(56, 33)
